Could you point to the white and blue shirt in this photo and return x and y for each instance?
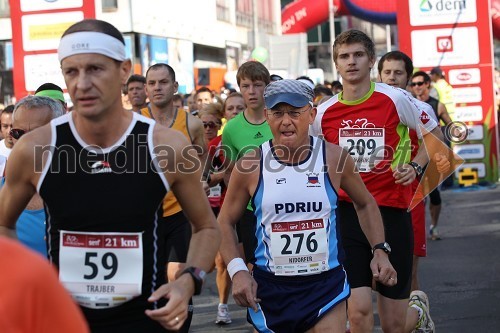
(295, 205)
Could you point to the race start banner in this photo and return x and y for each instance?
(37, 27)
(456, 35)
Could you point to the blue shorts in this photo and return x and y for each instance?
(297, 303)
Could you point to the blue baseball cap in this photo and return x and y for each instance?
(293, 92)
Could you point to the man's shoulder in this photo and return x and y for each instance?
(191, 118)
(39, 137)
(334, 152)
(330, 102)
(169, 142)
(401, 98)
(250, 161)
(390, 91)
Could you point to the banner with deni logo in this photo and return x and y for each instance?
(37, 26)
(456, 35)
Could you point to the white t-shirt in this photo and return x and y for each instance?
(3, 160)
(4, 150)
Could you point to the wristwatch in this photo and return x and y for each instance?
(416, 167)
(382, 246)
(198, 276)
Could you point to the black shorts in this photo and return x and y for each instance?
(245, 229)
(399, 235)
(127, 318)
(296, 303)
(177, 237)
(435, 197)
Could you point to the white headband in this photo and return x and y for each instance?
(91, 42)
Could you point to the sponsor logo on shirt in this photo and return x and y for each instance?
(358, 123)
(258, 135)
(281, 181)
(313, 180)
(101, 167)
(424, 117)
(73, 240)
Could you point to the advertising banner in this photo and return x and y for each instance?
(177, 53)
(456, 35)
(181, 58)
(37, 26)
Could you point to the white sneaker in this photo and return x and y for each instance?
(425, 323)
(434, 234)
(223, 317)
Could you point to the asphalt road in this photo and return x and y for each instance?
(461, 273)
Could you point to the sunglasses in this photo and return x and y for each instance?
(210, 124)
(17, 133)
(419, 83)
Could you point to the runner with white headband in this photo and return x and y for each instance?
(102, 180)
(91, 42)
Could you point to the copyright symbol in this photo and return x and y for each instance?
(456, 132)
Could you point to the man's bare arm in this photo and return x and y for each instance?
(443, 113)
(185, 183)
(199, 142)
(245, 176)
(241, 187)
(184, 179)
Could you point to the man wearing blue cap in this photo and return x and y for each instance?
(298, 281)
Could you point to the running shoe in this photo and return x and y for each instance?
(425, 323)
(223, 317)
(433, 231)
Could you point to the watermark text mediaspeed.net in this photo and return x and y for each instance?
(136, 156)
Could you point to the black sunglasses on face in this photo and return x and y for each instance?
(17, 133)
(209, 125)
(419, 83)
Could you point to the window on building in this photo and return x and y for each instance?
(6, 64)
(265, 10)
(4, 8)
(244, 13)
(223, 13)
(109, 5)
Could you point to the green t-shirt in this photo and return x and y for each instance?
(240, 136)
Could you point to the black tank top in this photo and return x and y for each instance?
(116, 189)
(434, 103)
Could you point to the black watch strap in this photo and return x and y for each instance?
(382, 246)
(198, 276)
(418, 169)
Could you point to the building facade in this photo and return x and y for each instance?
(201, 39)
